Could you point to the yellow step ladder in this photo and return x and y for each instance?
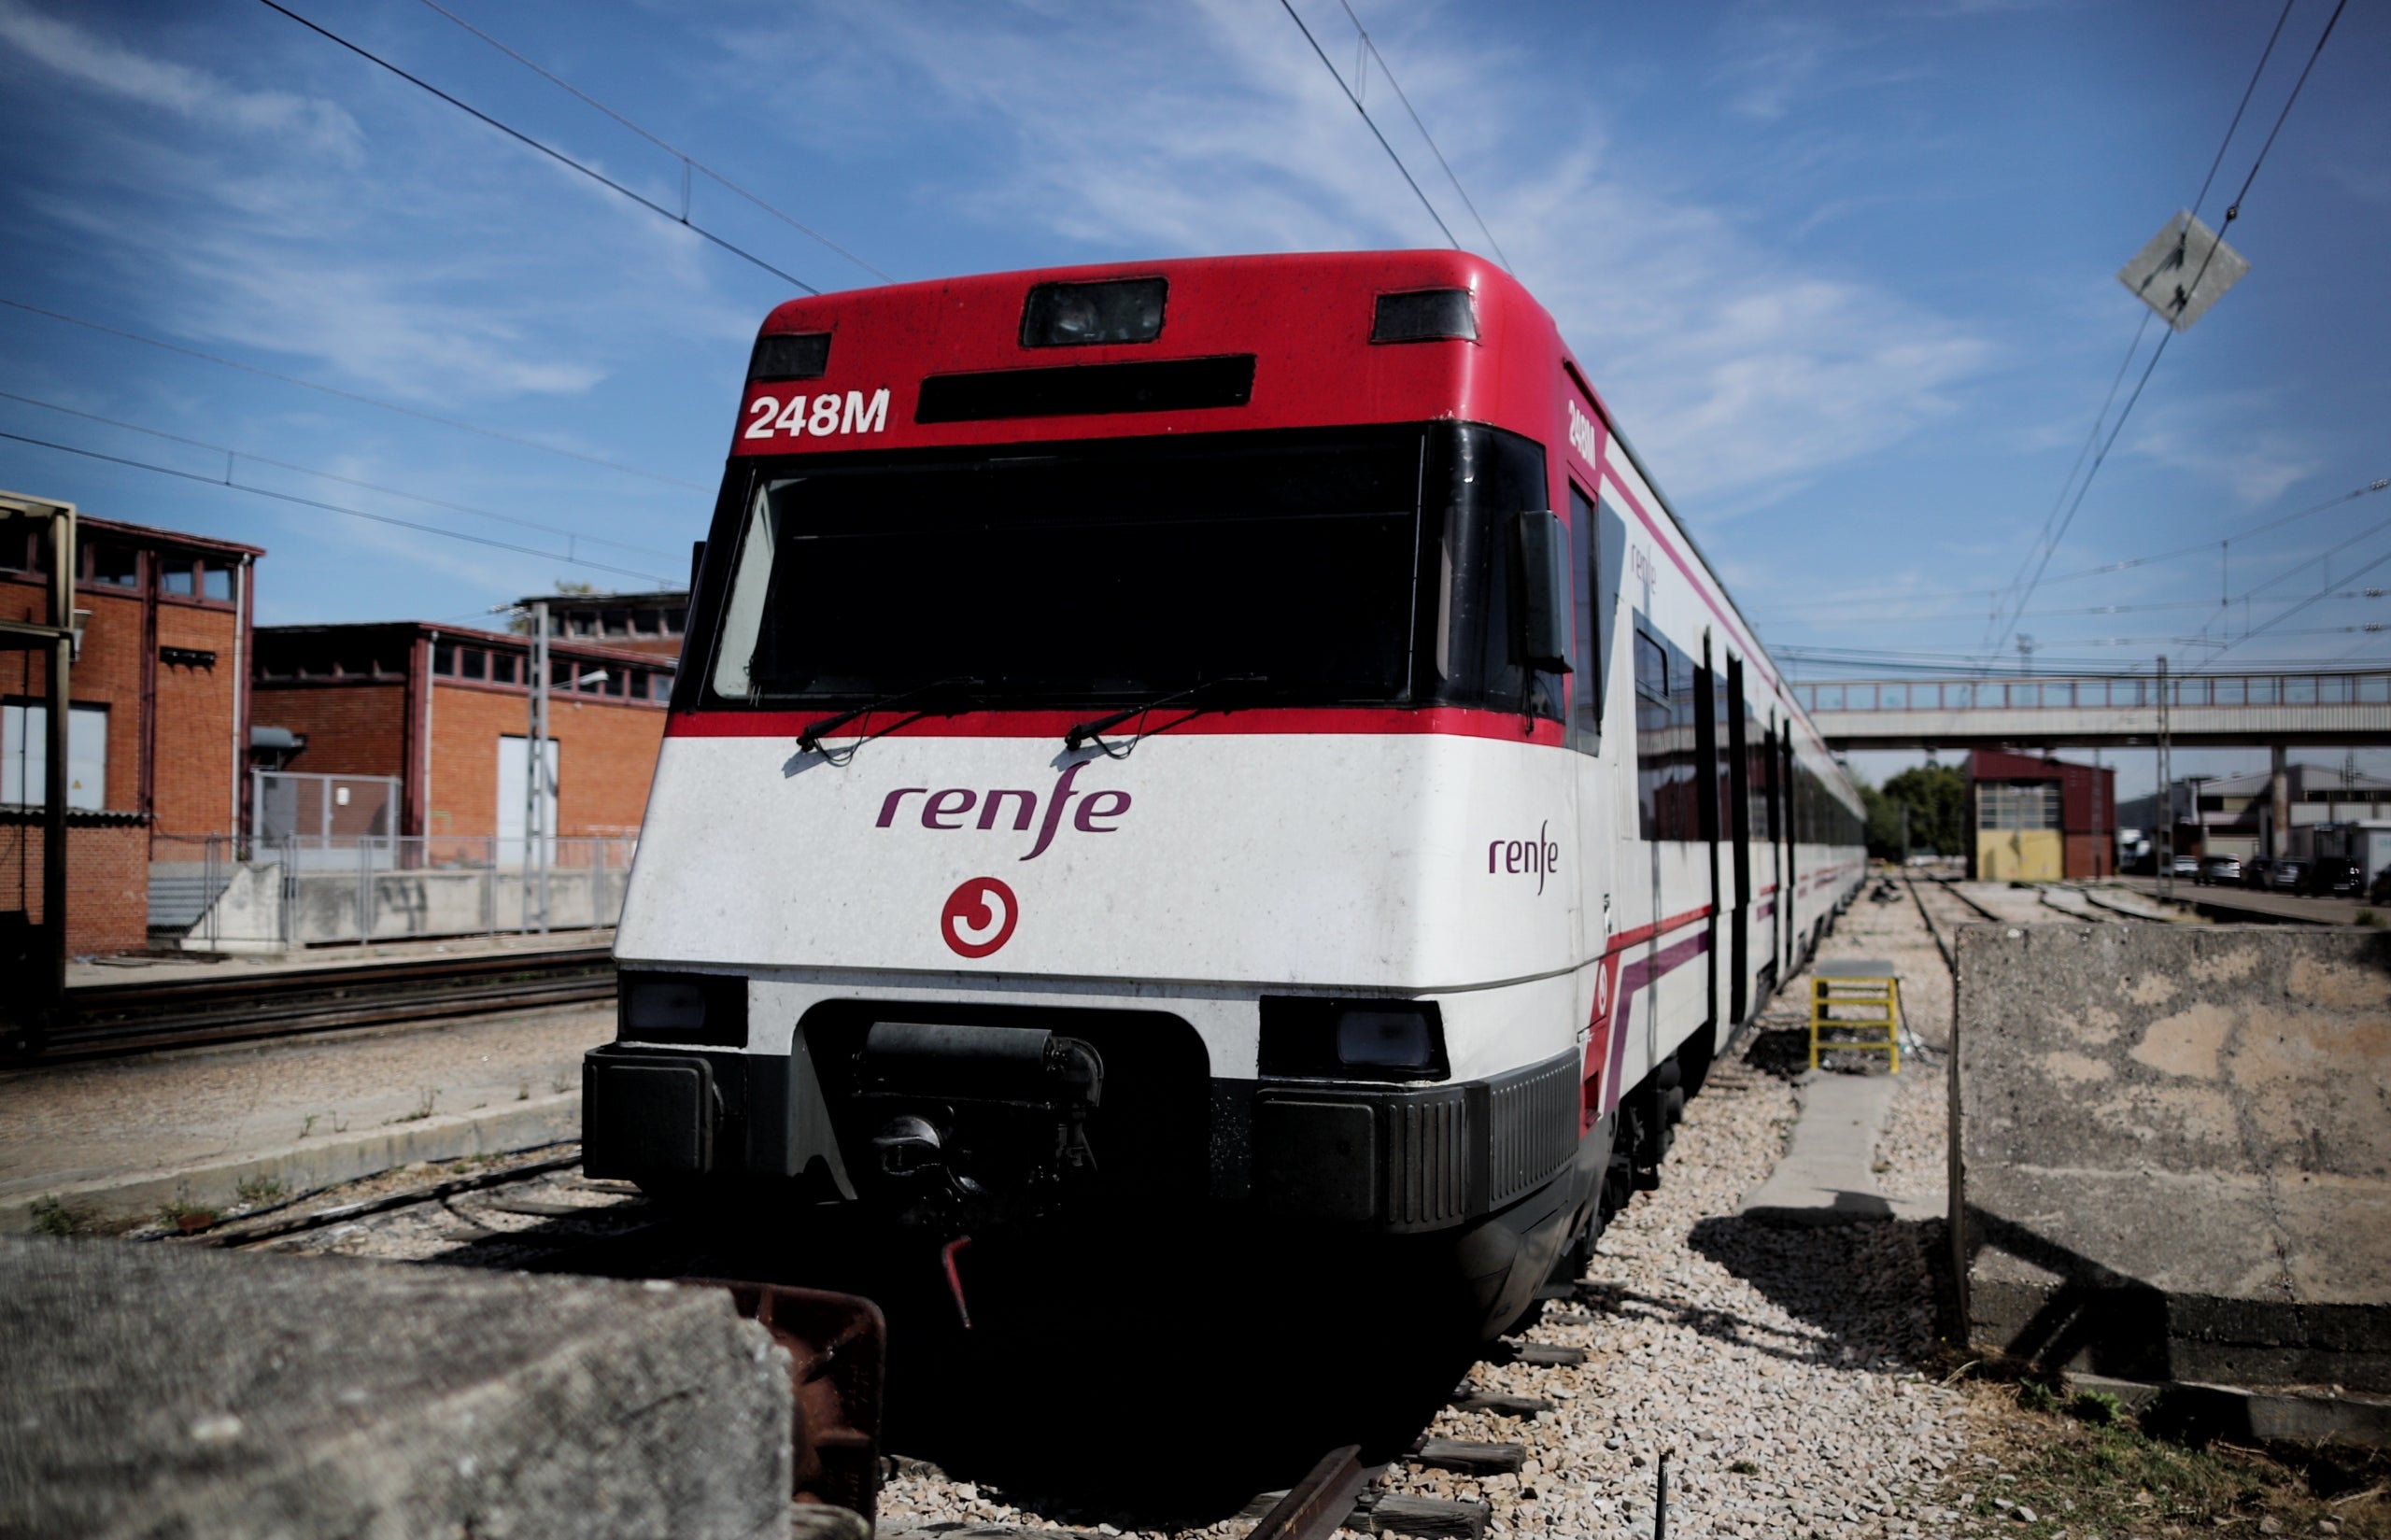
(1856, 995)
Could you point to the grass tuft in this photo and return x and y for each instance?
(259, 1191)
(57, 1217)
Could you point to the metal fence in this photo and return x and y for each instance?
(297, 890)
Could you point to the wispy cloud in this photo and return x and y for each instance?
(1214, 128)
(128, 75)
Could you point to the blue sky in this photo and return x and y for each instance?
(1846, 271)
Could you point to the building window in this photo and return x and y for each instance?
(216, 583)
(443, 659)
(24, 754)
(501, 667)
(475, 662)
(179, 575)
(2017, 805)
(117, 566)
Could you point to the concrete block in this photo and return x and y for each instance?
(2175, 1150)
(311, 1165)
(162, 1390)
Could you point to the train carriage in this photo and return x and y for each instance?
(1242, 735)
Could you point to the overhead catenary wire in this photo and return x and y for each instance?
(336, 508)
(677, 153)
(361, 399)
(1371, 43)
(572, 536)
(550, 151)
(1450, 239)
(2049, 546)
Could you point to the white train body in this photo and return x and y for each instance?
(1414, 966)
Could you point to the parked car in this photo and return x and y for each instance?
(2379, 891)
(2254, 871)
(2288, 876)
(2330, 875)
(2185, 866)
(2219, 870)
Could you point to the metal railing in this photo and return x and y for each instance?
(2196, 690)
(215, 893)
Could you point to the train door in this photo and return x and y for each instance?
(1706, 787)
(1598, 538)
(1788, 885)
(1739, 834)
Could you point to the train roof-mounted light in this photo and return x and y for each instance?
(1080, 315)
(1427, 315)
(790, 356)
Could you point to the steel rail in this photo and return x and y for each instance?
(107, 1019)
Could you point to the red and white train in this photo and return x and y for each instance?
(1242, 735)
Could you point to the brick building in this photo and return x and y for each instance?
(445, 712)
(2040, 820)
(157, 725)
(641, 623)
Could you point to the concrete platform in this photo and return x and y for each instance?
(156, 967)
(1827, 1174)
(116, 1140)
(152, 1390)
(2245, 905)
(2176, 1149)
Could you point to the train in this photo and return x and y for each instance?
(1239, 736)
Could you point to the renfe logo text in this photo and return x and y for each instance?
(950, 809)
(1519, 858)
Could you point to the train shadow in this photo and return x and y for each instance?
(1864, 1291)
(1145, 1379)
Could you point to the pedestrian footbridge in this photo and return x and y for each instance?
(2103, 711)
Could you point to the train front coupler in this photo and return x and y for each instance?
(973, 1126)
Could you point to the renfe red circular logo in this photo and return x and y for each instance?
(979, 917)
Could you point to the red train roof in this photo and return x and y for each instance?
(1306, 320)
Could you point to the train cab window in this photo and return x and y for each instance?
(1317, 567)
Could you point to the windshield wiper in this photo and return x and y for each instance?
(809, 741)
(1083, 733)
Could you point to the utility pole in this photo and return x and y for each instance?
(2166, 794)
(539, 788)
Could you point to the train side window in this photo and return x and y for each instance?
(1586, 570)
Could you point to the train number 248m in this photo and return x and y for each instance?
(821, 416)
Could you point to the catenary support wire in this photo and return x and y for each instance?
(336, 508)
(688, 162)
(552, 153)
(1367, 119)
(229, 454)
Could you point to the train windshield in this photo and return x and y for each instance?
(1115, 572)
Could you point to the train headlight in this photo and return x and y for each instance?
(1425, 315)
(1312, 1038)
(1078, 315)
(790, 356)
(681, 1008)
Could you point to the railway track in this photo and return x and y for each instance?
(539, 1214)
(105, 1019)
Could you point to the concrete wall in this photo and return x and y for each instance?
(2175, 1150)
(2019, 856)
(170, 1390)
(258, 910)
